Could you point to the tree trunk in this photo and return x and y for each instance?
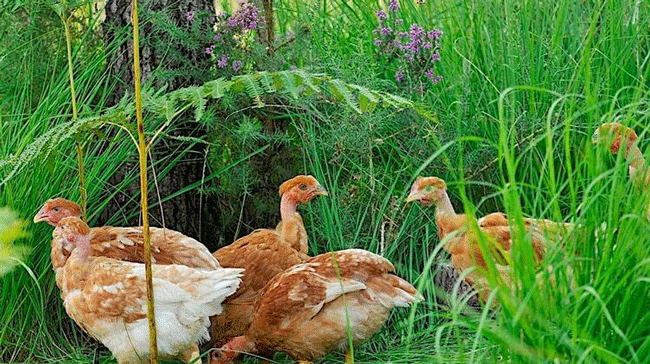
(184, 212)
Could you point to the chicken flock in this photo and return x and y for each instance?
(263, 293)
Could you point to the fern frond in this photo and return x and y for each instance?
(266, 81)
(250, 84)
(341, 92)
(296, 84)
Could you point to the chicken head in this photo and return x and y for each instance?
(616, 135)
(72, 227)
(301, 189)
(427, 190)
(229, 351)
(56, 209)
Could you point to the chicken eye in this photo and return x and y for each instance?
(302, 186)
(56, 209)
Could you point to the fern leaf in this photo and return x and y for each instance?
(341, 91)
(267, 82)
(252, 88)
(216, 89)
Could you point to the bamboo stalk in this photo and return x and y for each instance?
(80, 159)
(142, 149)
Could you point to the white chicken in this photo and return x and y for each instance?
(107, 298)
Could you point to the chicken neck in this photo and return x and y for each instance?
(291, 227)
(446, 218)
(288, 207)
(638, 166)
(82, 249)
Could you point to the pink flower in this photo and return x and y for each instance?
(223, 62)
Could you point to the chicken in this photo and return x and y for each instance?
(308, 310)
(124, 243)
(616, 136)
(264, 253)
(108, 299)
(493, 229)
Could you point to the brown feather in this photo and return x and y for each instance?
(263, 254)
(305, 310)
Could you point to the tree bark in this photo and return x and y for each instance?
(184, 212)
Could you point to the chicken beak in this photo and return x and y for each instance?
(321, 191)
(413, 196)
(594, 137)
(40, 216)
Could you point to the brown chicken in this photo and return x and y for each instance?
(493, 229)
(618, 136)
(124, 243)
(264, 253)
(308, 310)
(108, 299)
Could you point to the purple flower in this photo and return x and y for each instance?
(236, 66)
(393, 6)
(378, 42)
(189, 15)
(427, 45)
(381, 14)
(245, 17)
(217, 37)
(437, 80)
(436, 56)
(399, 76)
(209, 49)
(223, 62)
(386, 31)
(293, 68)
(398, 44)
(429, 73)
(402, 34)
(399, 21)
(221, 15)
(412, 47)
(434, 34)
(416, 31)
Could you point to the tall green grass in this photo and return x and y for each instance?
(36, 100)
(525, 86)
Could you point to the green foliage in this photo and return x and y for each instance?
(11, 229)
(295, 84)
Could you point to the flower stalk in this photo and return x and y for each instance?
(142, 150)
(80, 159)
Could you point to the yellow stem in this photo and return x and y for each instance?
(82, 183)
(80, 159)
(349, 356)
(142, 149)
